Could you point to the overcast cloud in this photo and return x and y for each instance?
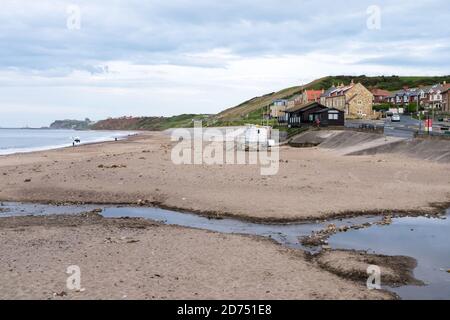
(178, 56)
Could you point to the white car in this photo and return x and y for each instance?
(395, 117)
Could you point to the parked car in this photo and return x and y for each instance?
(395, 117)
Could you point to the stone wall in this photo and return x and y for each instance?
(360, 101)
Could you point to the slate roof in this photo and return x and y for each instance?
(304, 107)
(328, 92)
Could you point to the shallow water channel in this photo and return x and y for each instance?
(425, 239)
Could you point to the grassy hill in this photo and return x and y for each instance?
(390, 83)
(71, 124)
(251, 111)
(149, 123)
(258, 103)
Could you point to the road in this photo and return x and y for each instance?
(405, 128)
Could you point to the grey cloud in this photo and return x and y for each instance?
(165, 31)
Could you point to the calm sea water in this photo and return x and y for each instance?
(28, 140)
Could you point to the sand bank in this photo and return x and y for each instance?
(311, 183)
(138, 259)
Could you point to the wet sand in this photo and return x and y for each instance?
(139, 259)
(311, 183)
(136, 259)
(395, 270)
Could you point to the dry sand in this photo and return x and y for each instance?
(128, 258)
(311, 183)
(137, 259)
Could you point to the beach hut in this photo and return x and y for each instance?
(256, 137)
(314, 112)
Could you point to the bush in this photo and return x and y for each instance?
(382, 107)
(411, 108)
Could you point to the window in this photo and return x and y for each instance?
(333, 115)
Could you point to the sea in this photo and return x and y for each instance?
(29, 140)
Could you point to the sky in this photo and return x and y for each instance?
(109, 58)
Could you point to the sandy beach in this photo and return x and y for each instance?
(138, 259)
(311, 183)
(233, 151)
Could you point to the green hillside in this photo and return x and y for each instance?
(390, 83)
(258, 103)
(251, 111)
(71, 124)
(163, 123)
(149, 123)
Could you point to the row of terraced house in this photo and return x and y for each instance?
(426, 97)
(356, 101)
(352, 100)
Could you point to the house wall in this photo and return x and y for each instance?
(446, 102)
(295, 101)
(305, 115)
(325, 121)
(337, 102)
(436, 99)
(379, 99)
(277, 111)
(359, 101)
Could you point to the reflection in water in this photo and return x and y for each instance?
(427, 240)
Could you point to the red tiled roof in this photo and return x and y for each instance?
(446, 87)
(313, 95)
(380, 92)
